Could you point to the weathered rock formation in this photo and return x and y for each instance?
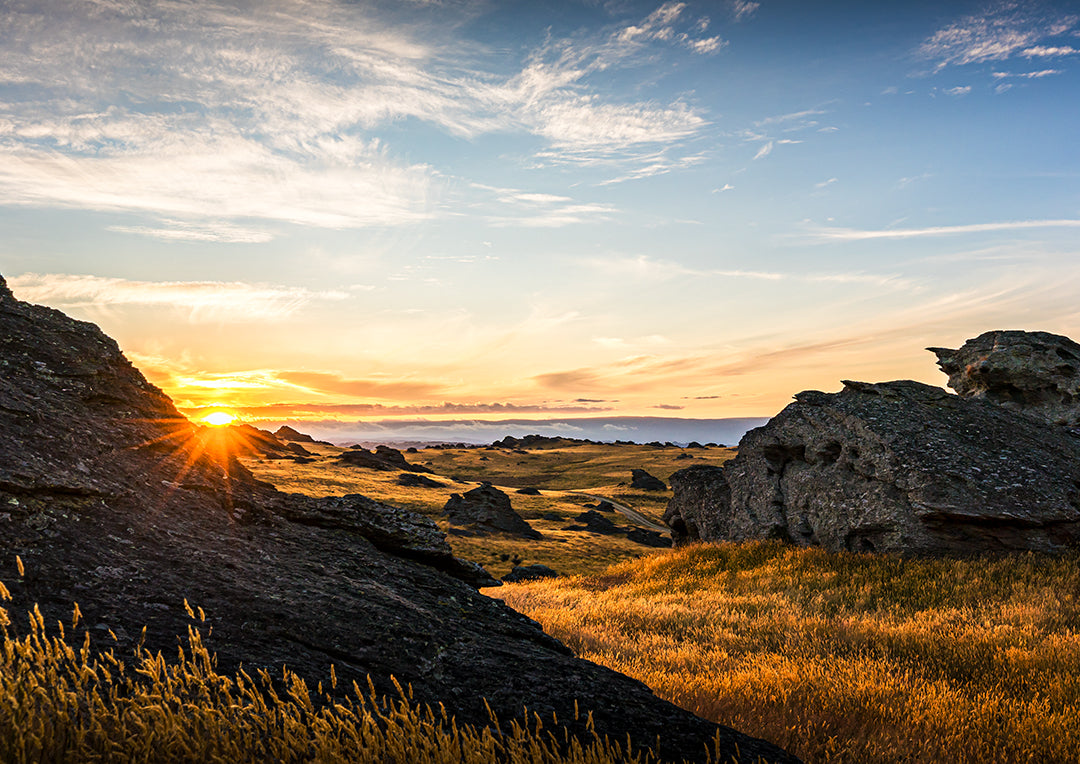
(894, 467)
(286, 433)
(113, 500)
(529, 573)
(642, 480)
(645, 537)
(1032, 373)
(412, 480)
(486, 509)
(384, 458)
(594, 522)
(249, 441)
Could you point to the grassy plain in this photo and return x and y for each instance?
(600, 470)
(841, 657)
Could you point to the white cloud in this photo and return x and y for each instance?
(743, 9)
(1026, 75)
(764, 151)
(659, 26)
(650, 269)
(723, 188)
(1041, 51)
(959, 90)
(179, 230)
(852, 234)
(825, 183)
(204, 115)
(201, 300)
(999, 34)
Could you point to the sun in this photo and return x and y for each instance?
(219, 418)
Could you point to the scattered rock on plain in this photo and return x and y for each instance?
(643, 481)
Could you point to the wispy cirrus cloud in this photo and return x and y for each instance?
(651, 269)
(1005, 30)
(194, 111)
(855, 234)
(201, 300)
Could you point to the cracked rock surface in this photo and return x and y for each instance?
(113, 500)
(898, 467)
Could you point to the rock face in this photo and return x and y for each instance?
(251, 441)
(893, 467)
(287, 433)
(646, 537)
(597, 523)
(642, 480)
(384, 458)
(412, 480)
(1032, 373)
(113, 500)
(486, 509)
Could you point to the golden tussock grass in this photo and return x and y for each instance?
(841, 657)
(63, 704)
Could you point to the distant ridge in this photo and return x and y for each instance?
(679, 431)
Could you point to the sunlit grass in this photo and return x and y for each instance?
(840, 657)
(58, 703)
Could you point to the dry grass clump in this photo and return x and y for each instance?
(842, 657)
(63, 704)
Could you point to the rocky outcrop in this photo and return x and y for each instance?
(412, 480)
(486, 509)
(249, 441)
(1036, 374)
(113, 500)
(529, 573)
(893, 467)
(643, 481)
(646, 537)
(384, 458)
(594, 522)
(288, 434)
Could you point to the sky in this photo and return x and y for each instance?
(331, 210)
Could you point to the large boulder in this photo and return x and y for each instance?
(893, 467)
(384, 458)
(643, 481)
(486, 509)
(113, 500)
(1032, 373)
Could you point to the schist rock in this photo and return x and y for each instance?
(597, 523)
(412, 480)
(114, 500)
(646, 537)
(288, 434)
(897, 467)
(1032, 373)
(252, 442)
(529, 573)
(486, 509)
(384, 458)
(642, 480)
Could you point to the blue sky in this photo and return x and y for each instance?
(339, 210)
